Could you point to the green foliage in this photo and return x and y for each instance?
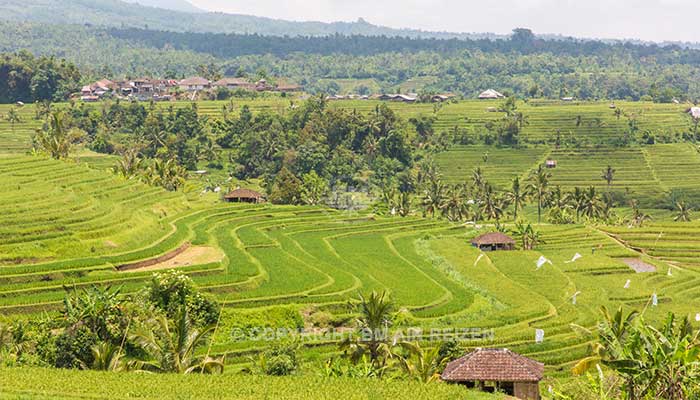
(313, 188)
(281, 359)
(56, 138)
(286, 188)
(659, 361)
(171, 290)
(26, 78)
(171, 345)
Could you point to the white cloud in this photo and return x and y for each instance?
(644, 19)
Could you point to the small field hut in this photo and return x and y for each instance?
(490, 94)
(244, 196)
(492, 370)
(494, 241)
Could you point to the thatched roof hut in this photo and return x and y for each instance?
(490, 94)
(494, 241)
(244, 196)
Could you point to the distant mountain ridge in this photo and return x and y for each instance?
(175, 5)
(121, 14)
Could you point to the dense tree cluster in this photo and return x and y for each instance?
(26, 78)
(302, 154)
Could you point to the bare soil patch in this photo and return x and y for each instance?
(638, 265)
(182, 257)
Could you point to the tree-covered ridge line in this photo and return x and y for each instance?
(618, 72)
(522, 41)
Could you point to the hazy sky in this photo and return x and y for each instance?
(641, 19)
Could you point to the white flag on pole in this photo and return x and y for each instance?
(539, 335)
(542, 261)
(577, 256)
(573, 298)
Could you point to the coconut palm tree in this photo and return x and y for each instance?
(106, 357)
(577, 199)
(638, 216)
(478, 180)
(55, 138)
(608, 175)
(404, 204)
(167, 174)
(592, 206)
(433, 197)
(558, 199)
(455, 207)
(171, 346)
(492, 205)
(517, 197)
(538, 187)
(129, 165)
(422, 365)
(376, 313)
(683, 212)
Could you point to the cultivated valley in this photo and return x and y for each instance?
(230, 229)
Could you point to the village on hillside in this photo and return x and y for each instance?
(199, 88)
(146, 89)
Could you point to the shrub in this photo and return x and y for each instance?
(281, 360)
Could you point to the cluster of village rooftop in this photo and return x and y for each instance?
(145, 89)
(163, 89)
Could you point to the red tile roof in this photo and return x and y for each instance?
(494, 365)
(492, 238)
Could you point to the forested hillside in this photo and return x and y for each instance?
(524, 65)
(116, 13)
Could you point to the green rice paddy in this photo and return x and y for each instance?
(72, 223)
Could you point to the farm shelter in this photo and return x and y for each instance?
(492, 370)
(494, 241)
(244, 196)
(490, 95)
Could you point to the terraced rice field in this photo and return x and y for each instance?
(634, 177)
(311, 259)
(67, 225)
(655, 175)
(17, 139)
(53, 210)
(677, 167)
(499, 166)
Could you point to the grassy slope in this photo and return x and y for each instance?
(62, 384)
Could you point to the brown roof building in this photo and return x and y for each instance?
(194, 83)
(244, 196)
(497, 370)
(494, 241)
(234, 83)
